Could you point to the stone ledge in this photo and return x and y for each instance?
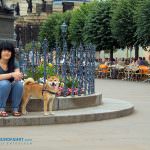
(69, 102)
(108, 110)
(63, 103)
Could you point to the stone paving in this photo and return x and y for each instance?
(126, 133)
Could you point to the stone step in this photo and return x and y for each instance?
(110, 109)
(63, 103)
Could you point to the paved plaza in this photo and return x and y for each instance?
(126, 133)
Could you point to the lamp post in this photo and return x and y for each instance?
(22, 59)
(64, 65)
(20, 50)
(64, 31)
(64, 28)
(33, 46)
(14, 37)
(57, 57)
(45, 46)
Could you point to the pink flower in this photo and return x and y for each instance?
(69, 91)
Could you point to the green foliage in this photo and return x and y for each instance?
(70, 82)
(98, 29)
(49, 29)
(37, 46)
(77, 22)
(142, 19)
(107, 23)
(122, 23)
(39, 71)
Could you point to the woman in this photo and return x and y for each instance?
(10, 76)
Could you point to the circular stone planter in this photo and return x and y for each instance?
(69, 102)
(64, 103)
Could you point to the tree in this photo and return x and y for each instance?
(122, 23)
(49, 28)
(98, 29)
(143, 23)
(77, 23)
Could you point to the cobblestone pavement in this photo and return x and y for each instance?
(126, 133)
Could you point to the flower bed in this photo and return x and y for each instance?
(65, 87)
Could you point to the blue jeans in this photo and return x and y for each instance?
(12, 91)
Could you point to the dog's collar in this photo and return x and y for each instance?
(44, 90)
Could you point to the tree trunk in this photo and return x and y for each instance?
(111, 55)
(127, 54)
(136, 51)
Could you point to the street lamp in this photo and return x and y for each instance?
(31, 31)
(21, 55)
(64, 31)
(64, 65)
(64, 28)
(14, 36)
(32, 49)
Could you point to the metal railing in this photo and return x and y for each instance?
(78, 65)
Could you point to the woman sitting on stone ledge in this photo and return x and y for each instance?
(10, 76)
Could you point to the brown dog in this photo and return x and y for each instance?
(46, 93)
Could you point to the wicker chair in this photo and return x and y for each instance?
(103, 71)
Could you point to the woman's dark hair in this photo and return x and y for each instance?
(10, 47)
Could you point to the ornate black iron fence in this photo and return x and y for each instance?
(76, 65)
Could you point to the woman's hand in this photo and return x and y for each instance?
(17, 75)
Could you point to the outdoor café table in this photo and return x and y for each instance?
(131, 70)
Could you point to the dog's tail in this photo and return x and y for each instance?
(29, 80)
